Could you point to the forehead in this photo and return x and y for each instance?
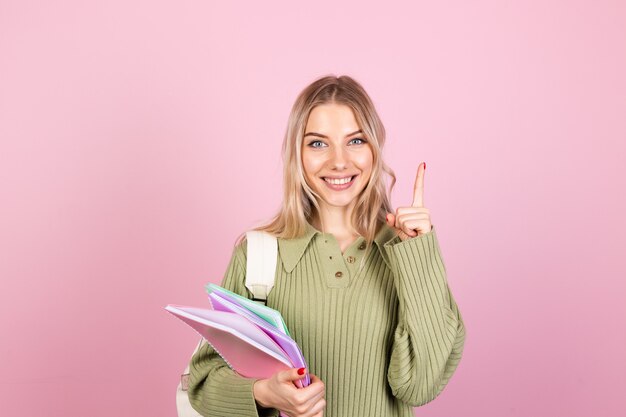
(331, 117)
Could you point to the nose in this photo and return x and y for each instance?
(338, 158)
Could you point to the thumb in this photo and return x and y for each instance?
(292, 374)
(391, 220)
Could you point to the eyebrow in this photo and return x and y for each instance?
(326, 137)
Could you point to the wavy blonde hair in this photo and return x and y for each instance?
(299, 200)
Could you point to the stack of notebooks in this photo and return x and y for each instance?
(252, 338)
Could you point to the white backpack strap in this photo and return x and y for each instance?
(261, 263)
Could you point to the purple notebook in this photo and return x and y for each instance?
(242, 345)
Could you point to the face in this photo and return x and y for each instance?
(336, 157)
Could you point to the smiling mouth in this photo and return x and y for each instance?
(337, 181)
(339, 184)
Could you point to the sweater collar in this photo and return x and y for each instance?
(291, 250)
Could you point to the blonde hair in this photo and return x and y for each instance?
(299, 200)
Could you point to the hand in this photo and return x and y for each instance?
(280, 392)
(412, 221)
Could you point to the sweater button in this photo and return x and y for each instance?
(351, 259)
(338, 274)
(362, 246)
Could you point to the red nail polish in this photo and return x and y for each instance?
(301, 371)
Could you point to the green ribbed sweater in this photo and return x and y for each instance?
(383, 339)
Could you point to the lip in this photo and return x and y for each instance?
(340, 187)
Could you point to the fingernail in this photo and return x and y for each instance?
(301, 371)
(424, 166)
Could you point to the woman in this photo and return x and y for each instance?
(361, 287)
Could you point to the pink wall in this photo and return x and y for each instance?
(137, 137)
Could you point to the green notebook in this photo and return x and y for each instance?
(268, 314)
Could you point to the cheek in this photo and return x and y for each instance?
(311, 164)
(365, 161)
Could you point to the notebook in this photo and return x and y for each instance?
(243, 345)
(266, 313)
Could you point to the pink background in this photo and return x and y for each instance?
(139, 138)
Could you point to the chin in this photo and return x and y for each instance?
(339, 201)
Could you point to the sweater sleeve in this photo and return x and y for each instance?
(214, 388)
(430, 334)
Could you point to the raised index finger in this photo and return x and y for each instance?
(418, 190)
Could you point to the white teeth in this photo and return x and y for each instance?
(338, 181)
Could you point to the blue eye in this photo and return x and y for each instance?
(311, 144)
(362, 140)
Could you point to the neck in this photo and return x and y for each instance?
(334, 220)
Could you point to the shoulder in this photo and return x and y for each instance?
(240, 250)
